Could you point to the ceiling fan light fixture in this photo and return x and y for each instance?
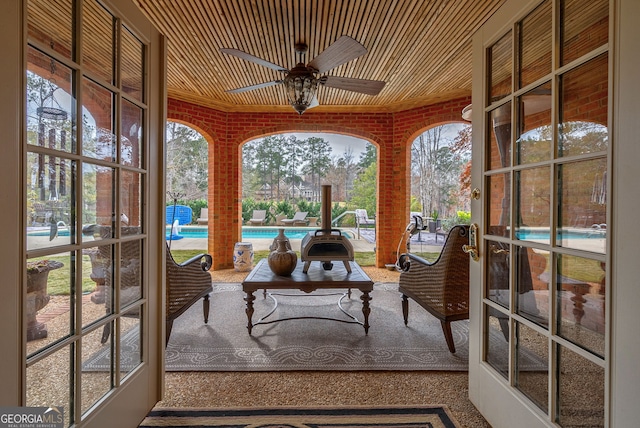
(301, 85)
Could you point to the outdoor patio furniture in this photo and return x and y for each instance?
(299, 219)
(362, 218)
(258, 218)
(441, 287)
(204, 216)
(279, 219)
(187, 282)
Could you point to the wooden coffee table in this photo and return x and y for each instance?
(262, 278)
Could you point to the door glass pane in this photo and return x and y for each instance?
(583, 109)
(499, 190)
(96, 265)
(498, 272)
(500, 137)
(584, 27)
(48, 301)
(580, 391)
(582, 207)
(535, 45)
(132, 68)
(130, 341)
(49, 202)
(98, 41)
(130, 271)
(532, 362)
(50, 23)
(497, 340)
(96, 369)
(581, 302)
(131, 201)
(98, 209)
(42, 391)
(98, 139)
(532, 286)
(534, 141)
(49, 104)
(500, 72)
(533, 196)
(131, 140)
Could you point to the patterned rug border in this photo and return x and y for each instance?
(434, 416)
(261, 353)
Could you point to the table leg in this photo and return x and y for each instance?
(249, 310)
(366, 310)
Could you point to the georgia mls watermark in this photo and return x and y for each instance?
(31, 417)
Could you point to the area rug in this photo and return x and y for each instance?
(309, 344)
(322, 417)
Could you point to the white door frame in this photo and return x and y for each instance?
(127, 405)
(502, 405)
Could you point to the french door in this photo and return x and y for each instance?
(85, 293)
(542, 142)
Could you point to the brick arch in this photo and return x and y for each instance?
(389, 131)
(195, 127)
(183, 113)
(327, 129)
(421, 129)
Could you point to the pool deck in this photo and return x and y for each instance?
(359, 245)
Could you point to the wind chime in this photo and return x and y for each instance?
(51, 111)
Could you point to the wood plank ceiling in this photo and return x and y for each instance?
(421, 48)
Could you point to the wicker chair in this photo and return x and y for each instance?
(441, 287)
(187, 282)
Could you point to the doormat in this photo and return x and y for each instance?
(321, 417)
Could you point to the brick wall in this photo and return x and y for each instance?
(392, 133)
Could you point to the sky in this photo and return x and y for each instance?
(339, 143)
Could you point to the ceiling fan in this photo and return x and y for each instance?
(301, 82)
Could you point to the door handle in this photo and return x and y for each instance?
(472, 247)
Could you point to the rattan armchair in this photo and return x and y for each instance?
(187, 282)
(441, 287)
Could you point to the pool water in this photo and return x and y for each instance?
(249, 233)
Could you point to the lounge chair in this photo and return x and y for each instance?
(362, 218)
(258, 218)
(441, 287)
(299, 219)
(204, 216)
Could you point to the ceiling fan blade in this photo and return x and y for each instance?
(342, 50)
(369, 87)
(314, 102)
(252, 87)
(252, 58)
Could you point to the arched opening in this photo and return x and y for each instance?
(187, 171)
(282, 175)
(440, 178)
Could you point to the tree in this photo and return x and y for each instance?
(364, 189)
(293, 154)
(369, 156)
(436, 167)
(341, 174)
(317, 160)
(187, 162)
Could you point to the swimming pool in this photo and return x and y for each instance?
(249, 233)
(533, 235)
(196, 232)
